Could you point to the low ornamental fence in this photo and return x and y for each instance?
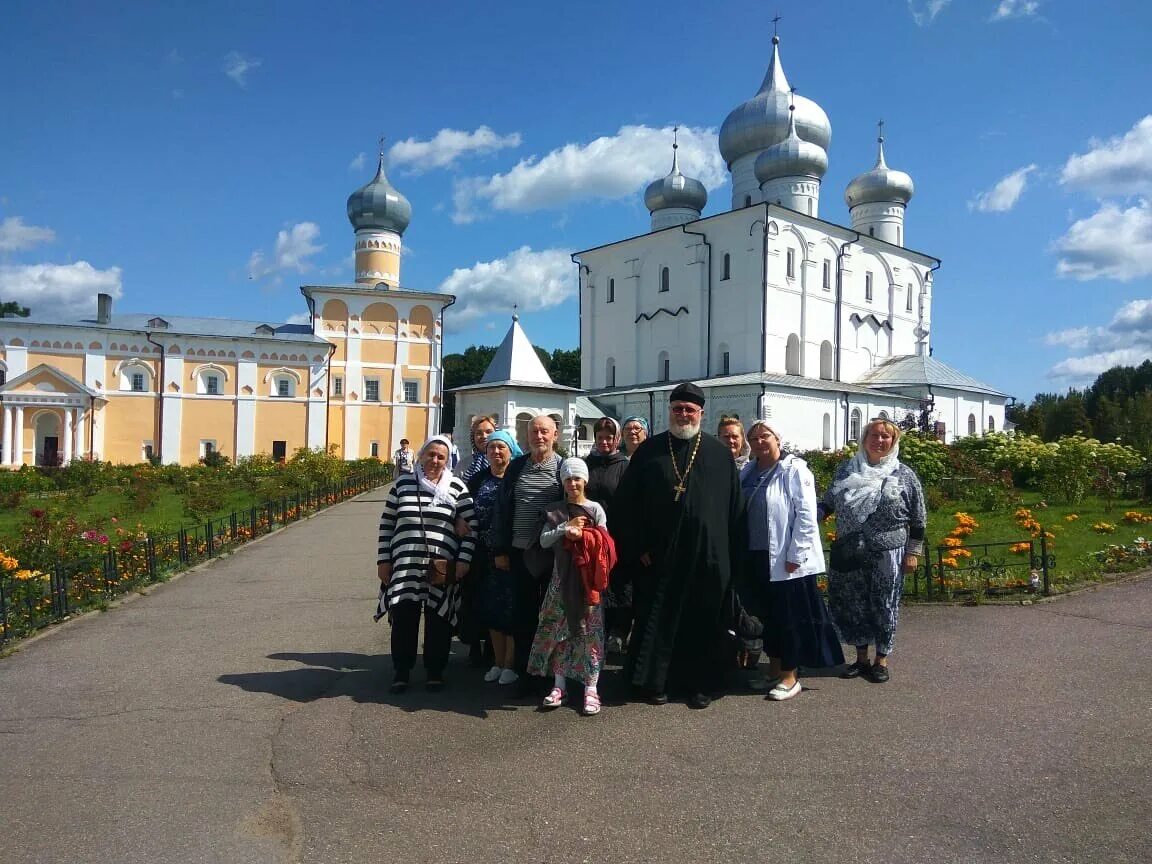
(47, 597)
(983, 570)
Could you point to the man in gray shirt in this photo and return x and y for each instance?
(530, 484)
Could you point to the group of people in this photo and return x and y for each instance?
(689, 554)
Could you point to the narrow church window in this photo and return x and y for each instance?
(991, 423)
(792, 355)
(611, 290)
(375, 449)
(725, 363)
(664, 367)
(338, 386)
(827, 432)
(854, 427)
(664, 279)
(971, 424)
(727, 270)
(791, 264)
(827, 275)
(908, 303)
(868, 287)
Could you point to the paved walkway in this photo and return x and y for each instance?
(238, 715)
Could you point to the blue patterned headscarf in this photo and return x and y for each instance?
(643, 421)
(507, 440)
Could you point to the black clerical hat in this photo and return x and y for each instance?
(687, 392)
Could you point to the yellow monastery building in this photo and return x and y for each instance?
(122, 388)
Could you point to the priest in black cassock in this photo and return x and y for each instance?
(681, 515)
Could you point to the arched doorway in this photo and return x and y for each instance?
(523, 421)
(48, 440)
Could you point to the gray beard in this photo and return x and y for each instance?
(685, 433)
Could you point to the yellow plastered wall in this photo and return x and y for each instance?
(377, 261)
(415, 426)
(206, 419)
(336, 428)
(70, 364)
(377, 351)
(129, 421)
(420, 354)
(420, 322)
(380, 318)
(33, 383)
(334, 317)
(281, 420)
(375, 425)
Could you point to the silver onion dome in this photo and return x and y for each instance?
(675, 190)
(792, 157)
(880, 184)
(378, 205)
(763, 120)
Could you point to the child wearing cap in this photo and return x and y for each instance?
(569, 640)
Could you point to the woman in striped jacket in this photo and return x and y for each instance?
(419, 521)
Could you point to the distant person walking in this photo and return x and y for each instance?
(404, 459)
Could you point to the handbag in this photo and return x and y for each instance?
(849, 552)
(440, 570)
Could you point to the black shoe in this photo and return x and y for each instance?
(658, 699)
(699, 700)
(399, 684)
(879, 674)
(855, 670)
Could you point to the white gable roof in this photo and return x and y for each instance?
(516, 360)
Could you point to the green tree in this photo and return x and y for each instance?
(564, 367)
(11, 307)
(461, 370)
(1067, 417)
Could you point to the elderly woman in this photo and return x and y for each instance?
(482, 427)
(417, 525)
(785, 557)
(880, 521)
(731, 432)
(496, 590)
(606, 464)
(634, 432)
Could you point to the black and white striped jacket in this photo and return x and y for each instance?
(402, 543)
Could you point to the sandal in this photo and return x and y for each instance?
(591, 703)
(554, 699)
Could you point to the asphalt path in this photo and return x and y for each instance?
(240, 714)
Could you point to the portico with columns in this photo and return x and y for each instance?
(45, 418)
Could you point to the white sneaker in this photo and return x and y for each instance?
(493, 674)
(509, 677)
(779, 693)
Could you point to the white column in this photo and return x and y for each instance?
(6, 454)
(68, 432)
(80, 450)
(18, 438)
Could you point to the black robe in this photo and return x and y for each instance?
(696, 544)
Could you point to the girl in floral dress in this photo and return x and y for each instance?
(569, 640)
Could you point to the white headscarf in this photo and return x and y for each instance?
(440, 491)
(859, 490)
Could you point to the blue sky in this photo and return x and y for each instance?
(195, 158)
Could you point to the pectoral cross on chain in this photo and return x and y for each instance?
(680, 490)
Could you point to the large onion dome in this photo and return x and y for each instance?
(378, 206)
(675, 190)
(881, 184)
(763, 120)
(792, 157)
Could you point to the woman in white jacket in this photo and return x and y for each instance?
(785, 558)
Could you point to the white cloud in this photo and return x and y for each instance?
(925, 11)
(1004, 195)
(299, 318)
(66, 290)
(358, 163)
(531, 280)
(293, 248)
(1122, 165)
(1112, 243)
(1125, 340)
(1015, 9)
(15, 235)
(610, 167)
(236, 66)
(447, 146)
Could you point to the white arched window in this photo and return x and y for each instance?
(827, 445)
(971, 424)
(135, 376)
(854, 425)
(283, 382)
(210, 379)
(883, 415)
(792, 355)
(826, 360)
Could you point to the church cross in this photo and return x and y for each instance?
(775, 22)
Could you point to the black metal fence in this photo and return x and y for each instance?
(45, 597)
(976, 570)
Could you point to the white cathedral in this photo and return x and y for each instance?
(773, 311)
